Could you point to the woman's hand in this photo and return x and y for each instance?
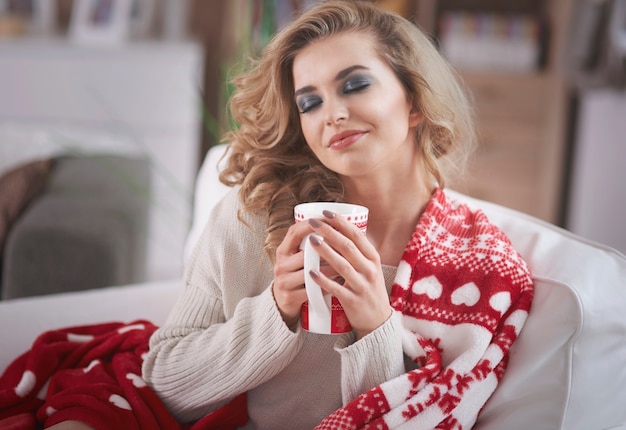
(363, 295)
(288, 287)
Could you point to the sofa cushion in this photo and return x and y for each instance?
(208, 191)
(18, 187)
(89, 229)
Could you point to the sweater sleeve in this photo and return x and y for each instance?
(224, 334)
(374, 359)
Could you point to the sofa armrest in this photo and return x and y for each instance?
(87, 230)
(29, 317)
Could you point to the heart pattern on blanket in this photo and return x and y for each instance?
(91, 365)
(120, 402)
(137, 380)
(43, 391)
(500, 301)
(429, 286)
(26, 384)
(79, 338)
(467, 294)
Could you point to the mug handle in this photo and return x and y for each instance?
(320, 304)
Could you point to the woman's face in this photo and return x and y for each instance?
(354, 112)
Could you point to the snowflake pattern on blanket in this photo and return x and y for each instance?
(463, 294)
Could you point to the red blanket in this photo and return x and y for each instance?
(93, 374)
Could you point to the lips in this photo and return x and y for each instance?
(345, 139)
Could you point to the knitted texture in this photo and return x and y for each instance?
(464, 294)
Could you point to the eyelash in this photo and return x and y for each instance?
(308, 103)
(354, 85)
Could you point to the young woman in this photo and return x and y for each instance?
(348, 103)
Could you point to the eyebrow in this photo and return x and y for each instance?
(342, 74)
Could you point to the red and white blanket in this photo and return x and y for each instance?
(463, 294)
(93, 374)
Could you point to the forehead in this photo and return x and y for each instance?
(324, 57)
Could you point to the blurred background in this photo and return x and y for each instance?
(110, 106)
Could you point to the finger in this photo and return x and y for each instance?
(367, 280)
(330, 286)
(290, 281)
(342, 266)
(289, 263)
(352, 232)
(289, 302)
(365, 312)
(293, 238)
(329, 271)
(289, 297)
(351, 253)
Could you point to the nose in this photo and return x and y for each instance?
(336, 111)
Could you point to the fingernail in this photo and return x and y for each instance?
(328, 214)
(316, 240)
(314, 223)
(314, 274)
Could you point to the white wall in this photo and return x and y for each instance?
(140, 98)
(597, 208)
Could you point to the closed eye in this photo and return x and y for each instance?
(305, 104)
(356, 84)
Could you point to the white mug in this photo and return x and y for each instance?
(323, 313)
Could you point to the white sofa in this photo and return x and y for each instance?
(567, 370)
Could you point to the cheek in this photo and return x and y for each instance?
(310, 133)
(397, 106)
(398, 114)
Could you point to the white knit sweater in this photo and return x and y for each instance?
(225, 336)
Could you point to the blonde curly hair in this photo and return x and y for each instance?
(268, 155)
